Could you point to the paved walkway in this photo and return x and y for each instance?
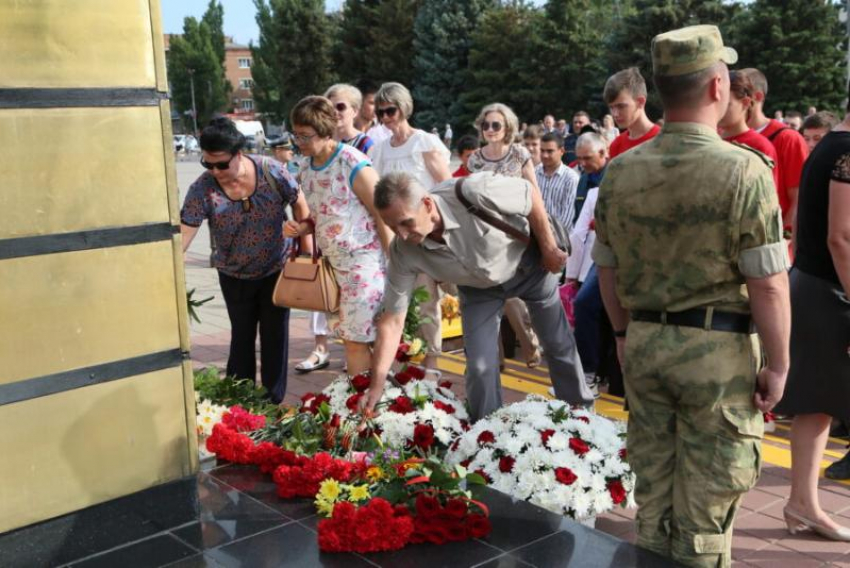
(760, 537)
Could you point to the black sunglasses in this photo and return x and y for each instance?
(217, 165)
(389, 111)
(495, 126)
(341, 107)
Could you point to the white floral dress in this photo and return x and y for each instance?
(347, 235)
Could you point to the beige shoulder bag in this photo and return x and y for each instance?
(307, 283)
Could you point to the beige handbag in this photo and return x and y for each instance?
(307, 283)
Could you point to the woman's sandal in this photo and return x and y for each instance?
(323, 359)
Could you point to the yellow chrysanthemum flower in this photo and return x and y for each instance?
(374, 474)
(329, 490)
(358, 493)
(324, 508)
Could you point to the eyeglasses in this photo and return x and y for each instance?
(218, 165)
(341, 107)
(389, 111)
(302, 138)
(495, 126)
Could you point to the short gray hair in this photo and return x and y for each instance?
(397, 186)
(349, 92)
(395, 94)
(511, 121)
(593, 140)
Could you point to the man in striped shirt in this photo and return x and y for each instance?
(557, 182)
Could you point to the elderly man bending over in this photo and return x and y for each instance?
(437, 235)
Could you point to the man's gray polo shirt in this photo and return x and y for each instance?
(475, 253)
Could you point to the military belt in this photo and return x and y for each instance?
(702, 318)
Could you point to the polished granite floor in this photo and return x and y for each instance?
(238, 521)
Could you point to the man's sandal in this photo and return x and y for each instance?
(322, 360)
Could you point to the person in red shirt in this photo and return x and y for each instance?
(466, 146)
(790, 146)
(625, 95)
(733, 125)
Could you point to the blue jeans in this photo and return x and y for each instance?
(588, 310)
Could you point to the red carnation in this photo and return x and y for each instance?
(445, 384)
(617, 491)
(456, 508)
(402, 405)
(464, 425)
(565, 475)
(401, 353)
(506, 464)
(335, 421)
(447, 408)
(423, 436)
(403, 378)
(624, 454)
(353, 402)
(584, 419)
(361, 382)
(427, 506)
(479, 525)
(311, 402)
(416, 372)
(545, 435)
(486, 437)
(466, 462)
(579, 446)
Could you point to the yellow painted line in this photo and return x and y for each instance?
(839, 441)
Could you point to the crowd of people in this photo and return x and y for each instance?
(676, 270)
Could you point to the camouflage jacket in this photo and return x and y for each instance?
(685, 218)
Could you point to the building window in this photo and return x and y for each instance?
(246, 84)
(247, 104)
(244, 62)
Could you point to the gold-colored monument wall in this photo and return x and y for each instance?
(96, 396)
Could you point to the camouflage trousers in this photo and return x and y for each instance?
(694, 437)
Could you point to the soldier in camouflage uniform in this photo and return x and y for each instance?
(690, 254)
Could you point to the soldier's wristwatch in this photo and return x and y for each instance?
(620, 333)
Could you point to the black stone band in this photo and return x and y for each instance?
(86, 240)
(87, 376)
(74, 98)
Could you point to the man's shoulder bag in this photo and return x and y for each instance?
(307, 283)
(562, 238)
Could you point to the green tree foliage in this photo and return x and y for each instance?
(504, 66)
(800, 46)
(193, 57)
(570, 54)
(293, 56)
(442, 39)
(214, 19)
(633, 33)
(376, 40)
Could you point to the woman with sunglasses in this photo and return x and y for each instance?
(498, 126)
(346, 100)
(425, 157)
(338, 182)
(243, 197)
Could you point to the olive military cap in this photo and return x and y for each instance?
(688, 50)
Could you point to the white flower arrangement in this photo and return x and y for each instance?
(418, 403)
(209, 415)
(567, 460)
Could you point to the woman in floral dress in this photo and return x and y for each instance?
(339, 182)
